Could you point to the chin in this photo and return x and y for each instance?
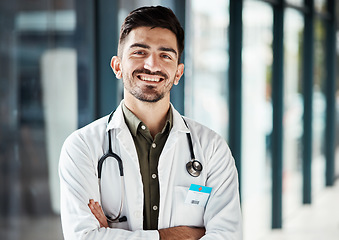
(150, 100)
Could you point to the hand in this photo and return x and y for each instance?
(181, 233)
(98, 213)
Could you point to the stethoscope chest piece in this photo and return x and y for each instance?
(194, 168)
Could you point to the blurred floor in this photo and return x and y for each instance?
(320, 220)
(31, 228)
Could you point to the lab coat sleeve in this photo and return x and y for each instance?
(79, 183)
(222, 217)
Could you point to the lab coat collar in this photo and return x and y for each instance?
(178, 122)
(118, 121)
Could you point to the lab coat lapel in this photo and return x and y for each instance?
(168, 166)
(170, 149)
(133, 181)
(132, 177)
(178, 128)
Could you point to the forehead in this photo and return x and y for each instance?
(153, 37)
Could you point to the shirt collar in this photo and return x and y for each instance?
(133, 122)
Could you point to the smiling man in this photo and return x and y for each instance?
(161, 175)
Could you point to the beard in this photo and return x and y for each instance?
(149, 92)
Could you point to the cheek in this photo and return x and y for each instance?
(171, 70)
(132, 65)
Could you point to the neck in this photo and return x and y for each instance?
(152, 114)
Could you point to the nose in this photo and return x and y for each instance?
(152, 63)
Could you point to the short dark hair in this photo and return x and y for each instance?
(153, 17)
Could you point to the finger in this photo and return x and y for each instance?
(101, 215)
(94, 206)
(96, 209)
(91, 206)
(98, 213)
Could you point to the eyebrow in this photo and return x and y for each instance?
(140, 45)
(165, 49)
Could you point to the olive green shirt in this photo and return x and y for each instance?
(148, 150)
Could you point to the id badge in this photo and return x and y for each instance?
(198, 195)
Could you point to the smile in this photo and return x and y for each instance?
(150, 78)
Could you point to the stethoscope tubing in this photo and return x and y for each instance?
(193, 167)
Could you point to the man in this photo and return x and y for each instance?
(158, 192)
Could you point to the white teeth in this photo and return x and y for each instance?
(150, 79)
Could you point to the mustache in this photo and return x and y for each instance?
(146, 71)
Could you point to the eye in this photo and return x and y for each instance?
(139, 52)
(166, 56)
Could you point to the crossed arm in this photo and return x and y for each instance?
(174, 233)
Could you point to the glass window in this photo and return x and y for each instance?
(126, 6)
(257, 118)
(320, 5)
(319, 108)
(337, 98)
(38, 110)
(293, 112)
(206, 64)
(296, 2)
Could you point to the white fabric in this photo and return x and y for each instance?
(79, 182)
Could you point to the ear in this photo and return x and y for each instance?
(179, 73)
(116, 66)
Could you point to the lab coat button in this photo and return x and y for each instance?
(137, 214)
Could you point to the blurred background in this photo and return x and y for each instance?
(261, 73)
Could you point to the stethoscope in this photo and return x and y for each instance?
(193, 167)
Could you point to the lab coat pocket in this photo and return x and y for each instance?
(186, 214)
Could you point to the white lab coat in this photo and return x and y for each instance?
(79, 182)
